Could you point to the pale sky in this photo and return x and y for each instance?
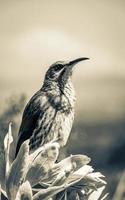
(34, 34)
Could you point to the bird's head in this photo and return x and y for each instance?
(60, 71)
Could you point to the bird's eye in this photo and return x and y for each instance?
(58, 67)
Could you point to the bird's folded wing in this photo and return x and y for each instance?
(35, 118)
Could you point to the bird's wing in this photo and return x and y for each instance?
(30, 118)
(44, 124)
(37, 120)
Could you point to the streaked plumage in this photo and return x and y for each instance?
(50, 112)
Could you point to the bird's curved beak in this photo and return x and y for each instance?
(74, 62)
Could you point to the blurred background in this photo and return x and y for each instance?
(33, 35)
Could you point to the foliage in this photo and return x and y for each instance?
(37, 175)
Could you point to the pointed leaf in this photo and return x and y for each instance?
(73, 162)
(4, 157)
(2, 170)
(84, 170)
(48, 193)
(61, 178)
(25, 192)
(95, 178)
(69, 164)
(8, 138)
(96, 194)
(42, 162)
(88, 179)
(7, 142)
(18, 171)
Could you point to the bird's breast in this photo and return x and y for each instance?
(63, 105)
(63, 102)
(61, 127)
(69, 95)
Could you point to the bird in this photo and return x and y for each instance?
(49, 114)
